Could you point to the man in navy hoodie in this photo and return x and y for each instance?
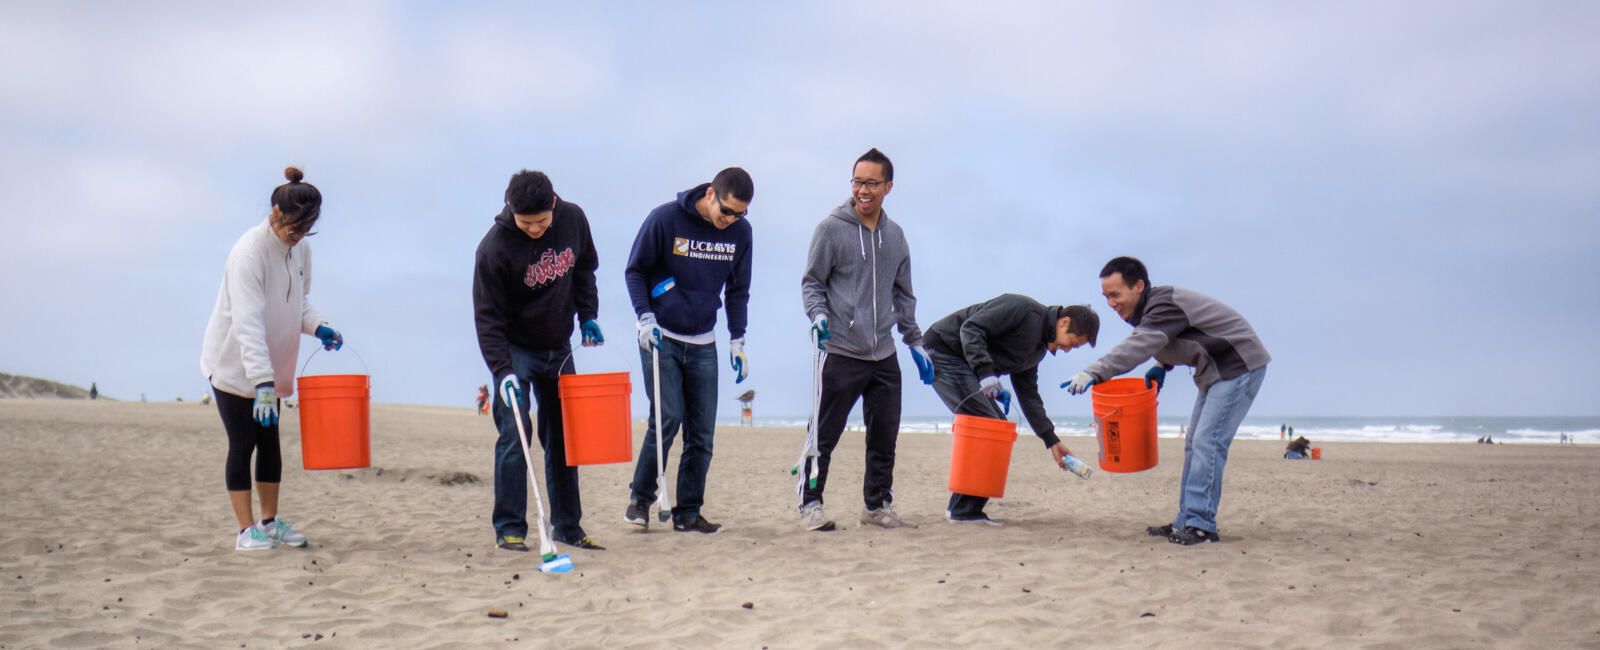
(534, 273)
(687, 252)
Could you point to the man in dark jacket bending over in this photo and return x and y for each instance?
(1008, 335)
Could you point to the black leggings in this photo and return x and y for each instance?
(245, 436)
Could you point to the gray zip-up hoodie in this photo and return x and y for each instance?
(1180, 327)
(860, 279)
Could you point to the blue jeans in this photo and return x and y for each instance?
(688, 399)
(1218, 412)
(538, 373)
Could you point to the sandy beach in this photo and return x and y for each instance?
(116, 532)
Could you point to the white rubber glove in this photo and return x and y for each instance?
(740, 363)
(265, 410)
(510, 388)
(649, 332)
(819, 327)
(990, 386)
(1079, 383)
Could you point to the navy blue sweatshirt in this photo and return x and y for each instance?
(676, 242)
(525, 291)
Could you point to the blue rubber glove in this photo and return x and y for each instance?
(1157, 375)
(740, 363)
(265, 409)
(1079, 383)
(591, 334)
(649, 332)
(330, 338)
(919, 356)
(819, 326)
(511, 388)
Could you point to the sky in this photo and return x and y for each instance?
(1402, 198)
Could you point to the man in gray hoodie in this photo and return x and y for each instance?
(1180, 327)
(857, 285)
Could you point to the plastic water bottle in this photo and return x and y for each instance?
(1076, 466)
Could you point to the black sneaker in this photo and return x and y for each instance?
(1191, 535)
(1164, 530)
(512, 543)
(697, 525)
(586, 543)
(638, 513)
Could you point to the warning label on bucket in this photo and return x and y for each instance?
(1113, 440)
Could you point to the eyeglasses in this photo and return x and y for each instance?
(729, 213)
(856, 184)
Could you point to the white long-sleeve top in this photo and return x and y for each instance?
(254, 334)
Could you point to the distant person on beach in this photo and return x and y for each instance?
(1298, 449)
(1007, 335)
(1283, 431)
(483, 399)
(94, 391)
(1178, 326)
(532, 281)
(250, 348)
(856, 286)
(691, 255)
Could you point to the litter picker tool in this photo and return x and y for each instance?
(551, 563)
(663, 497)
(809, 455)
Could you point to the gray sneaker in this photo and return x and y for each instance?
(886, 517)
(814, 519)
(253, 539)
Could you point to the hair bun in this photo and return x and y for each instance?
(293, 174)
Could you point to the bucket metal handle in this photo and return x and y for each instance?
(979, 392)
(364, 365)
(567, 358)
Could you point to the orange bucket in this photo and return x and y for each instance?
(980, 455)
(1316, 453)
(597, 418)
(1125, 423)
(335, 422)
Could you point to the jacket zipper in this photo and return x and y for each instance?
(875, 299)
(288, 292)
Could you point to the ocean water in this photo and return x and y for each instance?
(1523, 429)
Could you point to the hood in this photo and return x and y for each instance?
(687, 198)
(846, 212)
(505, 219)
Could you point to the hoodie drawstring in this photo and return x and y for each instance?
(861, 239)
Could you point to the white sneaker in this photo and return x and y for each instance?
(280, 532)
(813, 518)
(253, 539)
(980, 519)
(886, 517)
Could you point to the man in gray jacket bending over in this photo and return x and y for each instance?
(1180, 327)
(856, 285)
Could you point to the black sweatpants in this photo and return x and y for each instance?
(246, 436)
(877, 384)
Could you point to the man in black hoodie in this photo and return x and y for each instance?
(534, 273)
(1007, 335)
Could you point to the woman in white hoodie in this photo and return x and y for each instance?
(251, 346)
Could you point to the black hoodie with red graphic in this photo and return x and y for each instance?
(526, 291)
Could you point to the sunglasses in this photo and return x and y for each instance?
(729, 213)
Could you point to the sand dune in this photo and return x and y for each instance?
(116, 532)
